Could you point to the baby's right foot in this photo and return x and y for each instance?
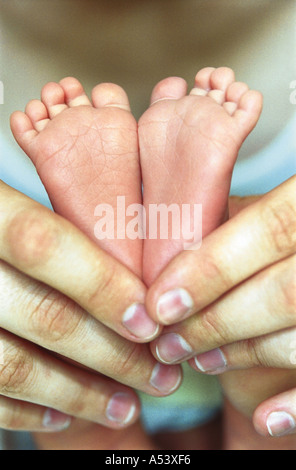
(188, 148)
(86, 155)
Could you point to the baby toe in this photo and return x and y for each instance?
(198, 92)
(22, 129)
(217, 95)
(37, 112)
(74, 92)
(221, 78)
(248, 110)
(110, 95)
(235, 91)
(203, 78)
(172, 88)
(53, 97)
(230, 107)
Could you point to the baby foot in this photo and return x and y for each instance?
(86, 154)
(188, 148)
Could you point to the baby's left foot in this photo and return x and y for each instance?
(86, 153)
(188, 148)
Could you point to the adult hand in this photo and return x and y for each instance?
(235, 298)
(63, 297)
(244, 270)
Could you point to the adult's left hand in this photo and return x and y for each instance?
(232, 303)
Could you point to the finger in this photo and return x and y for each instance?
(17, 415)
(31, 375)
(46, 247)
(257, 237)
(43, 316)
(277, 416)
(237, 203)
(273, 351)
(263, 304)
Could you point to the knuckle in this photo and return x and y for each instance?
(129, 361)
(255, 353)
(15, 371)
(280, 221)
(104, 284)
(54, 317)
(32, 237)
(213, 328)
(80, 399)
(213, 272)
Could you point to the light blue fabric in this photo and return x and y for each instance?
(17, 170)
(11, 440)
(197, 401)
(177, 419)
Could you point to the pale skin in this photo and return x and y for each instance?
(167, 97)
(40, 244)
(270, 221)
(266, 347)
(188, 146)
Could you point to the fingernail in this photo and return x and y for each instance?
(166, 379)
(173, 306)
(121, 408)
(137, 322)
(280, 423)
(211, 362)
(172, 348)
(54, 420)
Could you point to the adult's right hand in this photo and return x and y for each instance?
(72, 326)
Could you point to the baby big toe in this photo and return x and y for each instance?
(110, 95)
(172, 88)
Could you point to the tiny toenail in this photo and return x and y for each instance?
(162, 99)
(172, 348)
(136, 321)
(121, 408)
(56, 109)
(199, 91)
(174, 306)
(217, 95)
(120, 106)
(230, 107)
(79, 101)
(166, 379)
(280, 423)
(211, 362)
